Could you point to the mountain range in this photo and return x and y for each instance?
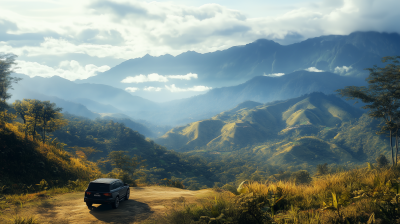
(113, 102)
(312, 129)
(237, 74)
(344, 55)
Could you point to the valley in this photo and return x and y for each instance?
(264, 117)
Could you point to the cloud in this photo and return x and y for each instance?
(343, 69)
(154, 77)
(120, 10)
(70, 70)
(131, 89)
(173, 88)
(274, 74)
(313, 69)
(131, 29)
(152, 89)
(183, 77)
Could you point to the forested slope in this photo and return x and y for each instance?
(27, 161)
(300, 132)
(96, 139)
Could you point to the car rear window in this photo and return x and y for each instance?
(98, 187)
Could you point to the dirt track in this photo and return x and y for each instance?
(145, 203)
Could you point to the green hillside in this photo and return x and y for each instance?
(25, 161)
(308, 130)
(97, 138)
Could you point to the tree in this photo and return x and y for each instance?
(125, 163)
(382, 97)
(121, 160)
(301, 177)
(50, 115)
(382, 161)
(7, 61)
(322, 169)
(39, 115)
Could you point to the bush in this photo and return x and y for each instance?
(382, 161)
(301, 177)
(322, 169)
(230, 188)
(172, 183)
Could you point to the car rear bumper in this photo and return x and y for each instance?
(99, 200)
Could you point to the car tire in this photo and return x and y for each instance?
(116, 202)
(128, 192)
(89, 205)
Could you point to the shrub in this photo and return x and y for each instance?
(301, 177)
(322, 169)
(382, 161)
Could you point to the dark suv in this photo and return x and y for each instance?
(106, 191)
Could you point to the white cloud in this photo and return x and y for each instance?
(173, 88)
(313, 69)
(152, 89)
(183, 77)
(131, 29)
(343, 69)
(131, 89)
(70, 70)
(154, 77)
(274, 74)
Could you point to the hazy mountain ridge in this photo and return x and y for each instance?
(261, 89)
(241, 63)
(68, 90)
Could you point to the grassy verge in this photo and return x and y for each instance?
(356, 196)
(9, 200)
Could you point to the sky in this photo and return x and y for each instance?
(76, 39)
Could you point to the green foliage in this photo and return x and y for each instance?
(7, 61)
(301, 177)
(252, 208)
(382, 97)
(95, 140)
(26, 162)
(120, 160)
(382, 161)
(171, 183)
(39, 115)
(322, 169)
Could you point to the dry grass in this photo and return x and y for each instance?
(308, 203)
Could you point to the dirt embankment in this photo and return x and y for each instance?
(145, 203)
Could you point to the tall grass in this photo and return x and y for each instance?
(361, 196)
(24, 220)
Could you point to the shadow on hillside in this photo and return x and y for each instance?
(127, 212)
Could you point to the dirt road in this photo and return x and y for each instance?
(145, 203)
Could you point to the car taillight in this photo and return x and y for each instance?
(88, 193)
(107, 194)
